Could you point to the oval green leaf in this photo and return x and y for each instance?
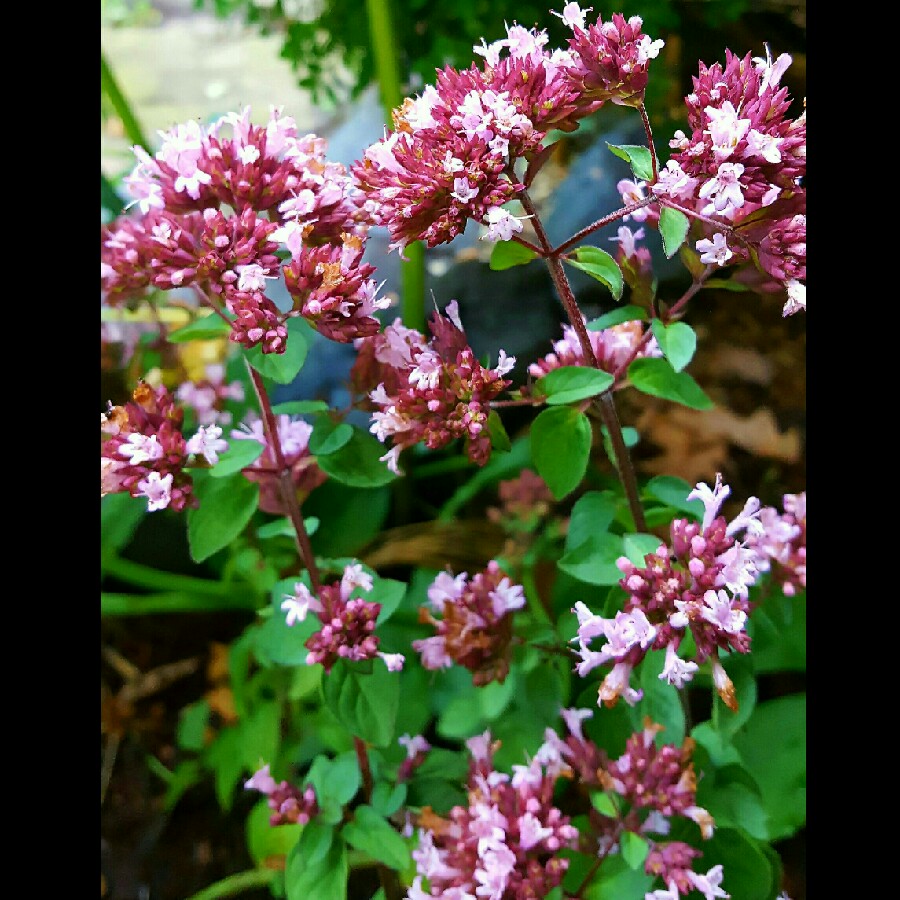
(357, 462)
(629, 313)
(283, 367)
(240, 453)
(673, 228)
(600, 265)
(561, 448)
(328, 436)
(656, 377)
(569, 384)
(368, 831)
(203, 328)
(365, 703)
(677, 341)
(506, 254)
(226, 506)
(637, 156)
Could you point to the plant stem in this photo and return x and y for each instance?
(233, 885)
(148, 577)
(649, 132)
(390, 883)
(382, 37)
(594, 226)
(117, 604)
(288, 491)
(120, 105)
(605, 404)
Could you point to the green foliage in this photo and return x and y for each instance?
(506, 254)
(655, 376)
(599, 265)
(560, 448)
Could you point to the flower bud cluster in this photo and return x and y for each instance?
(650, 785)
(430, 392)
(348, 622)
(216, 204)
(743, 164)
(475, 626)
(206, 396)
(289, 804)
(699, 585)
(451, 154)
(781, 547)
(332, 291)
(505, 843)
(293, 436)
(144, 453)
(612, 347)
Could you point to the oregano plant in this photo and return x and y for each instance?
(579, 717)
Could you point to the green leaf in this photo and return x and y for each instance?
(634, 849)
(388, 798)
(226, 507)
(328, 436)
(569, 384)
(223, 757)
(120, 515)
(283, 367)
(337, 780)
(365, 704)
(594, 561)
(604, 805)
(772, 745)
(616, 880)
(673, 228)
(240, 453)
(656, 377)
(203, 328)
(388, 592)
(617, 317)
(369, 832)
(677, 341)
(778, 630)
(265, 842)
(299, 407)
(349, 517)
(637, 546)
(192, 721)
(506, 254)
(317, 867)
(747, 873)
(661, 701)
(499, 438)
(673, 492)
(283, 527)
(591, 515)
(357, 463)
(600, 265)
(637, 157)
(732, 798)
(561, 448)
(726, 284)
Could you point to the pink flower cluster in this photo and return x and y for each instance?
(451, 154)
(429, 392)
(289, 804)
(613, 347)
(781, 547)
(650, 785)
(348, 622)
(475, 626)
(216, 204)
(743, 164)
(144, 453)
(699, 585)
(293, 436)
(206, 396)
(504, 845)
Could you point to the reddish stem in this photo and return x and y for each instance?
(605, 404)
(649, 132)
(288, 491)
